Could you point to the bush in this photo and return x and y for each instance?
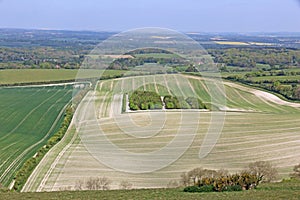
(233, 188)
(192, 189)
(206, 188)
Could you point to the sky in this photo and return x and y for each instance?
(181, 15)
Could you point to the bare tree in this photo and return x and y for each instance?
(222, 172)
(103, 183)
(125, 185)
(173, 184)
(263, 170)
(90, 184)
(196, 174)
(184, 179)
(97, 183)
(79, 185)
(296, 173)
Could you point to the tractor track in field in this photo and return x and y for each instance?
(17, 159)
(35, 173)
(237, 141)
(24, 119)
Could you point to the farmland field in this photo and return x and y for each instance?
(12, 76)
(257, 126)
(29, 117)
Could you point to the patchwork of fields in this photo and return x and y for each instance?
(29, 117)
(256, 126)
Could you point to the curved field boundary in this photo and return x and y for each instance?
(271, 134)
(16, 163)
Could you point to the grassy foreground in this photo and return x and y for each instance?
(284, 190)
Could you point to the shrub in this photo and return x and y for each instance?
(233, 188)
(206, 188)
(192, 189)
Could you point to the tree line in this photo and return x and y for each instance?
(249, 57)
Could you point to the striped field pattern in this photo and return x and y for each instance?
(29, 117)
(255, 128)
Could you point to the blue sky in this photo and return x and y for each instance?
(181, 15)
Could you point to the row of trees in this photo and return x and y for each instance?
(99, 183)
(126, 63)
(24, 172)
(200, 180)
(173, 102)
(288, 89)
(249, 57)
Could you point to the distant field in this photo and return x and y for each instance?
(231, 43)
(293, 78)
(255, 128)
(274, 191)
(156, 55)
(28, 118)
(11, 76)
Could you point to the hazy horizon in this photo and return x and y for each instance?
(233, 16)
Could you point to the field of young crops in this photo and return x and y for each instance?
(13, 76)
(29, 117)
(256, 126)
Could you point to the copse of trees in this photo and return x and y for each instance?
(173, 102)
(144, 100)
(148, 100)
(206, 180)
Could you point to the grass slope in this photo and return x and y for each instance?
(28, 117)
(285, 190)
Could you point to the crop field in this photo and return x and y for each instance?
(29, 117)
(156, 55)
(12, 76)
(231, 43)
(257, 126)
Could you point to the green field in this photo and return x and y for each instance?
(275, 191)
(256, 127)
(290, 78)
(156, 55)
(29, 117)
(12, 76)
